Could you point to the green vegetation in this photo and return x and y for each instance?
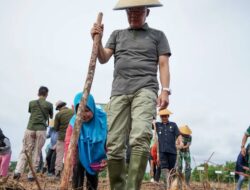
(12, 166)
(210, 174)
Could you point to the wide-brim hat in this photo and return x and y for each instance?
(60, 104)
(124, 4)
(165, 112)
(185, 130)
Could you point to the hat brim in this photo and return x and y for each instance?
(60, 105)
(185, 130)
(164, 112)
(130, 6)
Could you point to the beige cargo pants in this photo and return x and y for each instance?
(33, 142)
(130, 116)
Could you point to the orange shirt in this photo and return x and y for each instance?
(154, 152)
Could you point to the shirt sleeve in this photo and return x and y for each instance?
(163, 45)
(7, 144)
(111, 43)
(51, 111)
(248, 131)
(156, 127)
(29, 110)
(177, 132)
(56, 122)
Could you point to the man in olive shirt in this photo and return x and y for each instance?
(61, 122)
(35, 135)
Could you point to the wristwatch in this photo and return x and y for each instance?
(168, 90)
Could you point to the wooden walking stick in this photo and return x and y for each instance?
(32, 169)
(78, 123)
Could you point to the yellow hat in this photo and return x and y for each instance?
(165, 112)
(185, 130)
(124, 4)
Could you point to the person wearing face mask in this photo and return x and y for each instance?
(139, 51)
(168, 133)
(91, 155)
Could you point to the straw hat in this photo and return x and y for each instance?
(124, 4)
(60, 104)
(165, 112)
(185, 130)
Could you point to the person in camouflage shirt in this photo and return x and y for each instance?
(35, 135)
(184, 152)
(61, 122)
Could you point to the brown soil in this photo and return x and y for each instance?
(50, 183)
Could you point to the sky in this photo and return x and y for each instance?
(48, 43)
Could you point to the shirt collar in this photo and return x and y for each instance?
(144, 27)
(42, 98)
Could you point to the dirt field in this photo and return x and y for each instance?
(49, 183)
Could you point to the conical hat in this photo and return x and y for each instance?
(185, 130)
(165, 112)
(124, 4)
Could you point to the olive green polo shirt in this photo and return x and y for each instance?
(61, 121)
(136, 56)
(38, 121)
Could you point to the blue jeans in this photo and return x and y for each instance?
(240, 182)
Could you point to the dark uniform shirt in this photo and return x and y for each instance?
(38, 120)
(61, 122)
(241, 161)
(167, 135)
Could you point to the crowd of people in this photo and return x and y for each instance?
(168, 144)
(139, 51)
(122, 139)
(170, 147)
(91, 152)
